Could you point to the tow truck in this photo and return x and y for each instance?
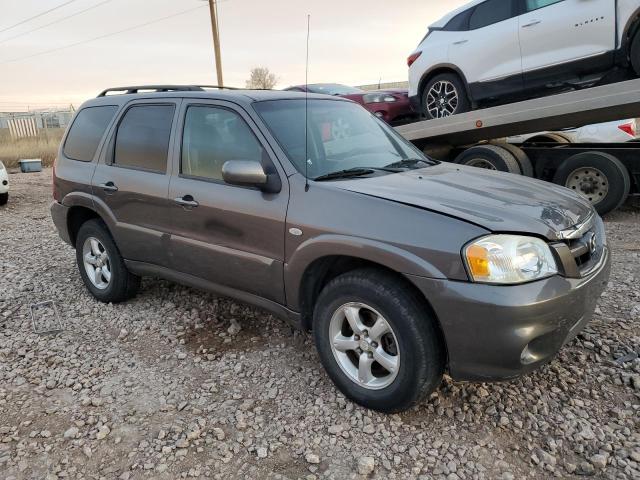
(604, 173)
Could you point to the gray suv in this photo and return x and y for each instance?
(312, 208)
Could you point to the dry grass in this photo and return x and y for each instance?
(44, 146)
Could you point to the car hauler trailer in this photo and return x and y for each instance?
(605, 173)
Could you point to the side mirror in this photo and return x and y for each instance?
(244, 172)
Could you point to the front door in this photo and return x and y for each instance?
(131, 181)
(228, 235)
(563, 40)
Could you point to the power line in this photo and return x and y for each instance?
(36, 16)
(55, 21)
(100, 37)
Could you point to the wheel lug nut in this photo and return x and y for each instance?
(370, 355)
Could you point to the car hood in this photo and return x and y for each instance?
(496, 201)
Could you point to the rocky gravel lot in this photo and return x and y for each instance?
(182, 384)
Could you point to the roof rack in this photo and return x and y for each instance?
(161, 88)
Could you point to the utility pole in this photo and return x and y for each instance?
(213, 9)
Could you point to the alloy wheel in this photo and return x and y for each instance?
(364, 345)
(96, 263)
(442, 99)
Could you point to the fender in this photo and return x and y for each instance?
(445, 66)
(78, 199)
(329, 245)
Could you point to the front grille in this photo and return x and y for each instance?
(582, 251)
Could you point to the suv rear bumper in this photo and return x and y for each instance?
(501, 332)
(59, 215)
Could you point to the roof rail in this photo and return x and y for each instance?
(156, 88)
(218, 87)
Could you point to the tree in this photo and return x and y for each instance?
(261, 79)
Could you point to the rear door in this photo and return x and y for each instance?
(131, 181)
(487, 49)
(228, 235)
(562, 39)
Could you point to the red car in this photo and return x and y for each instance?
(392, 105)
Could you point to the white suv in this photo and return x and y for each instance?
(4, 185)
(497, 51)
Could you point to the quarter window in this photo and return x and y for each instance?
(459, 23)
(86, 132)
(490, 12)
(213, 136)
(142, 140)
(536, 4)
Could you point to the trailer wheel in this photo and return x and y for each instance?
(521, 157)
(491, 157)
(599, 177)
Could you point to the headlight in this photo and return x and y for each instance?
(509, 259)
(379, 98)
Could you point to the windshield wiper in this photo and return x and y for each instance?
(351, 172)
(411, 163)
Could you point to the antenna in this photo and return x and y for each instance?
(306, 113)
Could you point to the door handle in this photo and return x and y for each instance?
(186, 201)
(532, 23)
(460, 42)
(108, 187)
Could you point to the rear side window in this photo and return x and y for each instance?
(213, 136)
(142, 139)
(490, 12)
(86, 132)
(459, 23)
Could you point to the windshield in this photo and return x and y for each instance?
(341, 135)
(332, 89)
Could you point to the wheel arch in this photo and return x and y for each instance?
(324, 269)
(440, 69)
(83, 208)
(630, 30)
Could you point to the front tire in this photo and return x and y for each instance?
(444, 95)
(377, 340)
(101, 266)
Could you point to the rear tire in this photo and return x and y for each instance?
(444, 95)
(598, 177)
(4, 198)
(412, 344)
(95, 249)
(490, 157)
(521, 157)
(635, 54)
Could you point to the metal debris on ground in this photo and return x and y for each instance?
(45, 317)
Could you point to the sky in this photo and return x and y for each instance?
(353, 42)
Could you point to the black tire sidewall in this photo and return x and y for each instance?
(117, 290)
(526, 167)
(419, 347)
(611, 167)
(4, 198)
(634, 53)
(490, 154)
(463, 100)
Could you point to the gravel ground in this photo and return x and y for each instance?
(182, 384)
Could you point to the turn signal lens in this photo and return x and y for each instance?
(478, 260)
(509, 259)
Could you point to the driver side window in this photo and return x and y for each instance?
(213, 136)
